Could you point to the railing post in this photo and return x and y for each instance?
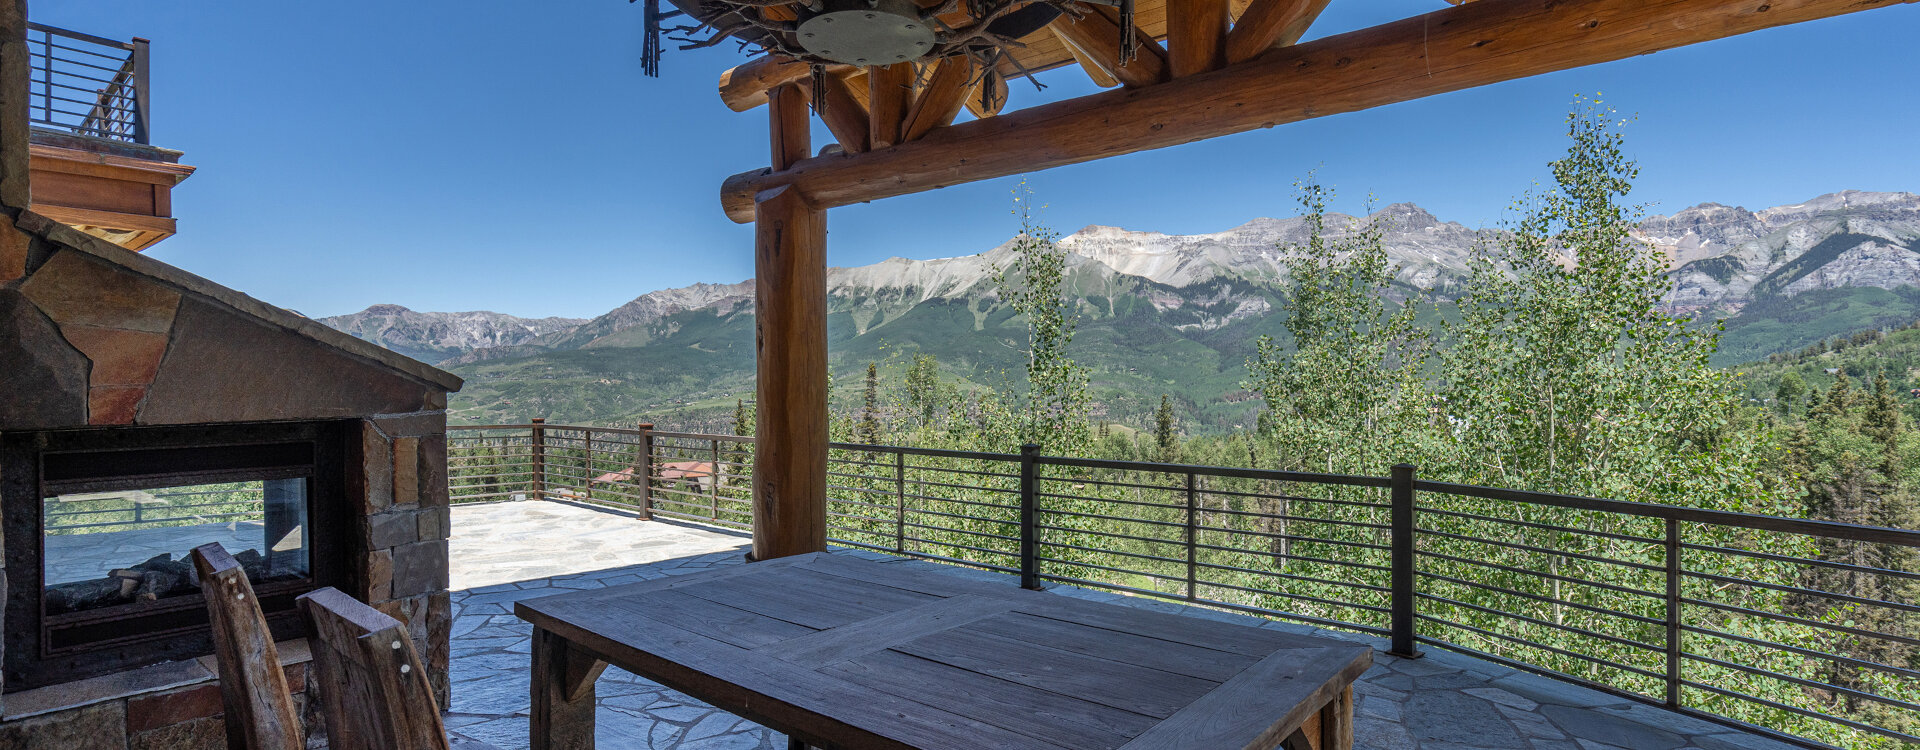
(900, 495)
(537, 457)
(1673, 613)
(586, 457)
(645, 468)
(1193, 522)
(1404, 642)
(142, 103)
(713, 482)
(1029, 504)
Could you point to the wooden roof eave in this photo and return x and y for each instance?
(1468, 45)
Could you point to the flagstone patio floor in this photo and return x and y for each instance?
(504, 552)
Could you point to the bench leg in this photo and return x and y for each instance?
(1336, 722)
(563, 695)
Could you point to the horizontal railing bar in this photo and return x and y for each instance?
(1544, 599)
(1807, 652)
(1808, 527)
(1542, 646)
(1870, 570)
(930, 512)
(977, 503)
(1111, 569)
(1543, 550)
(1809, 713)
(1289, 555)
(1540, 574)
(1290, 595)
(929, 483)
(1804, 682)
(971, 472)
(82, 36)
(1215, 471)
(1622, 640)
(957, 545)
(1294, 616)
(1296, 538)
(1736, 609)
(1293, 498)
(1294, 577)
(1543, 526)
(1135, 555)
(1902, 606)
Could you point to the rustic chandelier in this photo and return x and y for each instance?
(865, 33)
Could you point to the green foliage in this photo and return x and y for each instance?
(1052, 412)
(1348, 396)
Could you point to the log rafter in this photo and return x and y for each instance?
(1097, 35)
(1270, 23)
(1472, 44)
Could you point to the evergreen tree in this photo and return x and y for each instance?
(742, 418)
(1166, 437)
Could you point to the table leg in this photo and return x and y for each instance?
(563, 696)
(1336, 722)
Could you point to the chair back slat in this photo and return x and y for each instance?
(370, 681)
(253, 687)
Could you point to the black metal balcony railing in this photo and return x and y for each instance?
(1790, 627)
(88, 85)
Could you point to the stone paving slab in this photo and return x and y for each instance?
(1444, 701)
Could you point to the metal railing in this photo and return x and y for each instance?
(88, 85)
(1805, 630)
(156, 508)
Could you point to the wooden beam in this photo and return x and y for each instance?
(992, 86)
(788, 124)
(745, 86)
(939, 101)
(1196, 36)
(889, 92)
(790, 318)
(1095, 71)
(1483, 42)
(1271, 23)
(1098, 36)
(843, 114)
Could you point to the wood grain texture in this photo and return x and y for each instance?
(790, 405)
(1263, 705)
(563, 703)
(745, 86)
(1196, 36)
(889, 93)
(1095, 71)
(1447, 50)
(253, 687)
(370, 680)
(844, 116)
(1097, 35)
(939, 101)
(788, 122)
(1270, 23)
(924, 666)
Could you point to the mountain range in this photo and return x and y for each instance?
(1160, 313)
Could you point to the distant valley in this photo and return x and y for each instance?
(1172, 314)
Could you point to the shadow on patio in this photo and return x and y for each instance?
(506, 552)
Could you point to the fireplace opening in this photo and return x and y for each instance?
(117, 511)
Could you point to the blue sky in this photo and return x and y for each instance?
(506, 155)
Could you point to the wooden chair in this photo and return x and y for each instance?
(253, 687)
(371, 685)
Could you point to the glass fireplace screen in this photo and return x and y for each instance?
(132, 545)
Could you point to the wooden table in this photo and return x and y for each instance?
(843, 652)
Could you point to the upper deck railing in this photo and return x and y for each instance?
(88, 85)
(1804, 630)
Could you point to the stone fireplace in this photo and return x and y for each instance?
(144, 411)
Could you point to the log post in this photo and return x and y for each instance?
(790, 317)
